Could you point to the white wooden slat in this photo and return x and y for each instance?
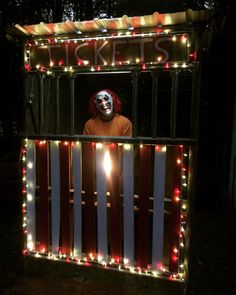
(31, 187)
(158, 208)
(55, 195)
(102, 203)
(77, 184)
(128, 188)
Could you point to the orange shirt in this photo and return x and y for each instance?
(118, 126)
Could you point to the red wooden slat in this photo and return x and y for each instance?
(65, 198)
(43, 213)
(89, 208)
(115, 201)
(175, 210)
(143, 206)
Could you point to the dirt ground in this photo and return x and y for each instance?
(212, 257)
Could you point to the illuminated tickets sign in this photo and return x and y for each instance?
(109, 51)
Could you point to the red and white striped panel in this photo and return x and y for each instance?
(105, 202)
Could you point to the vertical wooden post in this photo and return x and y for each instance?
(174, 104)
(57, 106)
(41, 104)
(72, 105)
(134, 102)
(154, 103)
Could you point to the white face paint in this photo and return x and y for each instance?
(104, 103)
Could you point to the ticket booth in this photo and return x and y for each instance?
(122, 203)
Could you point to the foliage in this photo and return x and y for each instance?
(32, 12)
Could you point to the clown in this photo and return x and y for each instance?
(105, 107)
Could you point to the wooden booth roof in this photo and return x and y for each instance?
(105, 25)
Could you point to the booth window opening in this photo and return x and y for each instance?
(159, 103)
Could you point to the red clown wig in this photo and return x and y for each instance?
(117, 104)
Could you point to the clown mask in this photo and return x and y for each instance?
(104, 103)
